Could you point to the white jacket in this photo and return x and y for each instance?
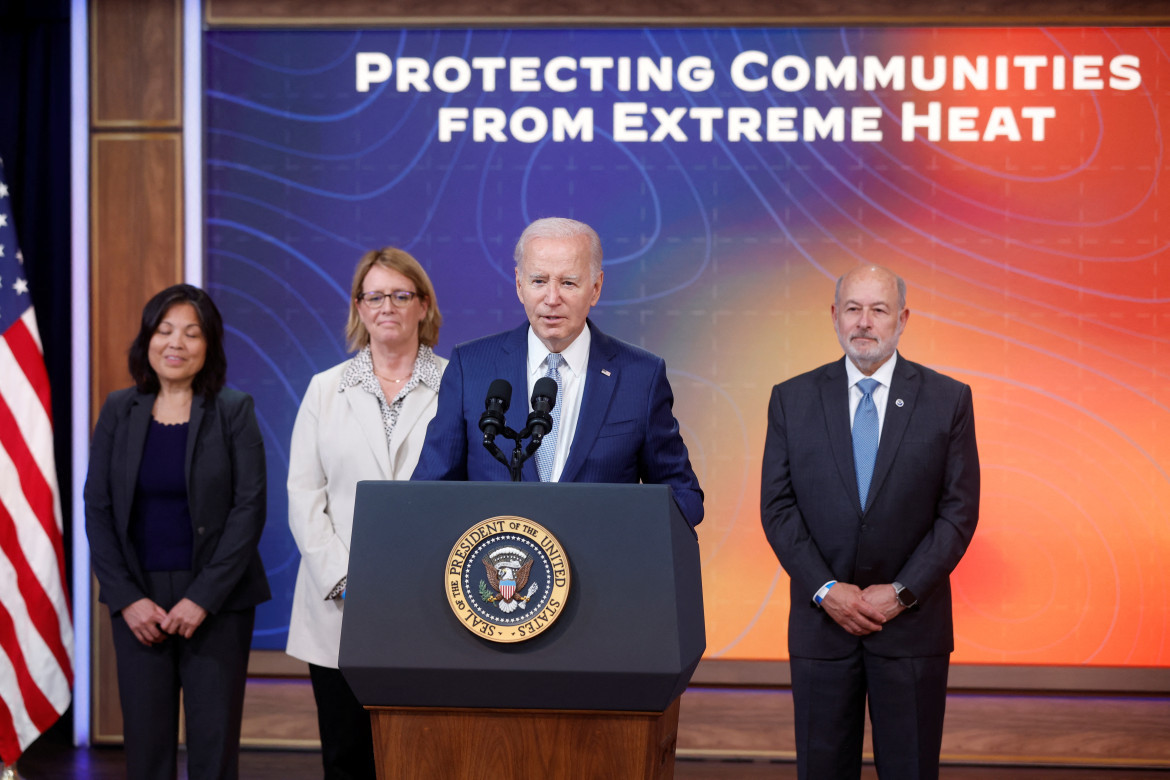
(337, 441)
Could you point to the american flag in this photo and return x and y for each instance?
(36, 630)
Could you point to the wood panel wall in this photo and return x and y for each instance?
(318, 13)
(136, 223)
(136, 220)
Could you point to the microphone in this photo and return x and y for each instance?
(544, 398)
(499, 397)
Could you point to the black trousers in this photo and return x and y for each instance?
(211, 669)
(347, 742)
(907, 701)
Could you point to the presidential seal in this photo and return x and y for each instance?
(507, 579)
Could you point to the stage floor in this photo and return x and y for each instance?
(52, 759)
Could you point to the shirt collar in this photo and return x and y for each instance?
(884, 375)
(576, 355)
(360, 370)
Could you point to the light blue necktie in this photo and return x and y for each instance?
(865, 437)
(547, 454)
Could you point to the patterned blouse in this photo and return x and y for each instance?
(360, 373)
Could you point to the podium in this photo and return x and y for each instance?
(594, 695)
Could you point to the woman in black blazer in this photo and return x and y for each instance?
(174, 509)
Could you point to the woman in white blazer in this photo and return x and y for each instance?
(365, 418)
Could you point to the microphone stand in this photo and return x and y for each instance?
(520, 453)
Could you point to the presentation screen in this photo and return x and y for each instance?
(1011, 176)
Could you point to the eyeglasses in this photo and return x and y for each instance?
(399, 298)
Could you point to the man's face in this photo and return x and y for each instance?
(553, 282)
(867, 318)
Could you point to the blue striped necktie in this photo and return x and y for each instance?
(865, 438)
(547, 454)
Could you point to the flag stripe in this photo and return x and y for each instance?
(36, 629)
(35, 657)
(37, 548)
(28, 357)
(9, 743)
(40, 711)
(36, 489)
(40, 609)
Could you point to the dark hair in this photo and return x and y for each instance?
(211, 377)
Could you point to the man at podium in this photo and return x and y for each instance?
(612, 419)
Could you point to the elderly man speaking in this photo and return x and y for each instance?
(613, 419)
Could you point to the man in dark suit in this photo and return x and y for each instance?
(613, 418)
(869, 497)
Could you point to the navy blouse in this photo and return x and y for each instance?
(160, 523)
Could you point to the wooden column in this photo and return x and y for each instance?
(136, 220)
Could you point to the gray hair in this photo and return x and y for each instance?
(561, 227)
(899, 281)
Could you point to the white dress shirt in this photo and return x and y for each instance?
(576, 362)
(881, 394)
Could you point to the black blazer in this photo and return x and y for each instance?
(923, 504)
(226, 493)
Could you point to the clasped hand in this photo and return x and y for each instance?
(151, 624)
(862, 612)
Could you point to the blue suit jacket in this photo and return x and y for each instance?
(626, 430)
(922, 510)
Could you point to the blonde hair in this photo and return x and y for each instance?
(356, 335)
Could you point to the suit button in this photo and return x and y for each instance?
(864, 527)
(199, 530)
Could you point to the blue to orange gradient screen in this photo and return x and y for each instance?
(1011, 176)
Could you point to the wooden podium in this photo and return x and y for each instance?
(595, 695)
(422, 743)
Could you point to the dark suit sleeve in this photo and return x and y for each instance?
(664, 459)
(245, 521)
(118, 586)
(784, 524)
(940, 550)
(444, 452)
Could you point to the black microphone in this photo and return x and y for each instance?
(499, 397)
(544, 398)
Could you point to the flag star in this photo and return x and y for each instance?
(1, 250)
(3, 220)
(20, 257)
(3, 190)
(21, 287)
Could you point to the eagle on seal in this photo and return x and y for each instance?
(507, 580)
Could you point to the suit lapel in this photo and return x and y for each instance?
(365, 410)
(600, 381)
(835, 401)
(197, 412)
(514, 368)
(408, 416)
(139, 424)
(899, 406)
